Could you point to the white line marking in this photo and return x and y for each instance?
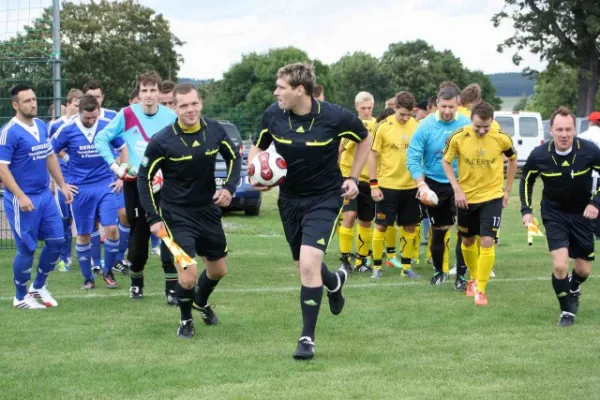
(366, 285)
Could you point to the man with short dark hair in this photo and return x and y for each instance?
(479, 191)
(186, 152)
(136, 124)
(165, 96)
(91, 181)
(26, 157)
(307, 133)
(565, 165)
(319, 92)
(424, 163)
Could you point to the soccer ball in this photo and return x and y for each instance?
(157, 181)
(268, 169)
(429, 198)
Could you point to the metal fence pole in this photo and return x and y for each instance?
(56, 76)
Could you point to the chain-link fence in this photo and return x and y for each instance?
(26, 56)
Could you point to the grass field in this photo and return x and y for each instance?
(396, 338)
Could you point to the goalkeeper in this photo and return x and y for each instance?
(136, 124)
(424, 161)
(186, 152)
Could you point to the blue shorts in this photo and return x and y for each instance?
(120, 200)
(63, 208)
(44, 222)
(91, 203)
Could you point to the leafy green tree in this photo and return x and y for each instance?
(521, 105)
(417, 67)
(358, 72)
(564, 31)
(246, 89)
(111, 42)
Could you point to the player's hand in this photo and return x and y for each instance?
(505, 199)
(350, 189)
(460, 199)
(116, 186)
(376, 194)
(157, 229)
(528, 219)
(67, 190)
(25, 203)
(222, 198)
(422, 187)
(124, 171)
(590, 212)
(257, 186)
(73, 189)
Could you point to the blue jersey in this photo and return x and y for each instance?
(86, 166)
(136, 129)
(52, 128)
(25, 148)
(107, 114)
(426, 149)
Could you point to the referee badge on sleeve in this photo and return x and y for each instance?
(145, 161)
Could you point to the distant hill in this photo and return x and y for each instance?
(195, 82)
(512, 84)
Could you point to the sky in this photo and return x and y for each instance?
(218, 33)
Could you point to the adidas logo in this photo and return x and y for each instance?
(321, 242)
(563, 294)
(565, 164)
(195, 144)
(300, 129)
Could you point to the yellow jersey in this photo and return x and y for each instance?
(391, 142)
(480, 162)
(467, 113)
(347, 157)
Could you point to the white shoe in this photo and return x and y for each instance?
(492, 274)
(27, 302)
(452, 271)
(43, 294)
(156, 250)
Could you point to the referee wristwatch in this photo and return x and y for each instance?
(355, 180)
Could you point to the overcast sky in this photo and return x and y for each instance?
(217, 33)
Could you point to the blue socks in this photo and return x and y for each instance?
(84, 255)
(123, 242)
(67, 247)
(96, 248)
(154, 240)
(111, 249)
(47, 262)
(22, 265)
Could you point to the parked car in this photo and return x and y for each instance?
(245, 198)
(525, 128)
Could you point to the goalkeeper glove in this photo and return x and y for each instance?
(124, 172)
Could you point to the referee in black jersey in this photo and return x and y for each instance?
(307, 133)
(565, 165)
(189, 206)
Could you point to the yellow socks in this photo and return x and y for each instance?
(378, 243)
(446, 263)
(487, 256)
(364, 237)
(417, 243)
(471, 255)
(407, 239)
(346, 235)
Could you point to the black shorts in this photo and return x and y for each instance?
(572, 231)
(481, 219)
(444, 214)
(398, 206)
(363, 204)
(309, 221)
(197, 230)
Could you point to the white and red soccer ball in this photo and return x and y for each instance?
(157, 181)
(268, 169)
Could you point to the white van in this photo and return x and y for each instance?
(525, 128)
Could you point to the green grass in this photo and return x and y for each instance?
(395, 339)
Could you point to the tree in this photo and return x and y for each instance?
(112, 42)
(358, 72)
(555, 87)
(565, 31)
(521, 105)
(246, 89)
(417, 67)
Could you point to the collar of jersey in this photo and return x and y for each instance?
(196, 128)
(314, 110)
(576, 144)
(438, 117)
